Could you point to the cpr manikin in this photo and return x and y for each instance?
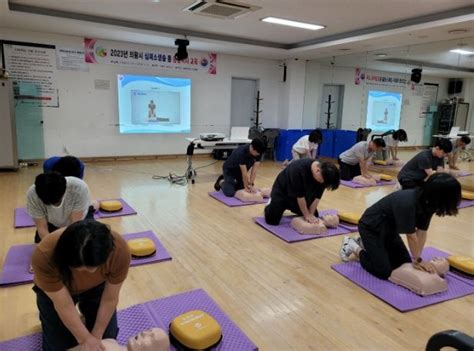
(421, 282)
(154, 339)
(258, 196)
(303, 227)
(367, 181)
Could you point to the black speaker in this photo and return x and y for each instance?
(416, 75)
(455, 86)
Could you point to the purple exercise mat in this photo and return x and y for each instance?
(168, 308)
(125, 211)
(158, 313)
(160, 255)
(22, 219)
(466, 203)
(288, 234)
(18, 260)
(232, 201)
(464, 173)
(400, 298)
(351, 184)
(17, 265)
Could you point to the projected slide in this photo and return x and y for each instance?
(150, 104)
(383, 110)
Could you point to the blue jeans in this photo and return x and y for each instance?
(56, 336)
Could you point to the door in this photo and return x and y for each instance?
(243, 102)
(29, 130)
(331, 106)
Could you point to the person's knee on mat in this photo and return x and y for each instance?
(270, 217)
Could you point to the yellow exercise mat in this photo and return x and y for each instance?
(110, 205)
(463, 264)
(195, 330)
(380, 162)
(141, 247)
(349, 217)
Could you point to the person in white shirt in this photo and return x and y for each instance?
(392, 140)
(353, 162)
(55, 201)
(306, 146)
(458, 145)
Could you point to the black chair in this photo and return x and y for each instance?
(363, 134)
(450, 338)
(269, 136)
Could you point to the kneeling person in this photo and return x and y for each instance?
(236, 168)
(354, 161)
(299, 187)
(83, 264)
(55, 201)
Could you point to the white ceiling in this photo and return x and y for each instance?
(351, 24)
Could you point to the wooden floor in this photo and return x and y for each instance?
(283, 296)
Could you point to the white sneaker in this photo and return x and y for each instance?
(348, 247)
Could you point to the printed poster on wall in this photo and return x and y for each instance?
(32, 68)
(128, 54)
(71, 59)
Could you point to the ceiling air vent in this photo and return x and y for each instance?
(220, 9)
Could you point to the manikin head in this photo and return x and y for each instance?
(442, 147)
(257, 147)
(326, 173)
(154, 339)
(376, 144)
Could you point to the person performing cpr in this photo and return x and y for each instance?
(84, 264)
(380, 248)
(299, 187)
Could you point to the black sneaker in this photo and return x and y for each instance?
(217, 184)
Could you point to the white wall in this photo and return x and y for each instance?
(85, 124)
(355, 98)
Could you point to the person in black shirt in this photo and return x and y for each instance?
(299, 187)
(413, 174)
(380, 248)
(236, 169)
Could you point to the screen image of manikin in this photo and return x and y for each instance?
(383, 110)
(150, 104)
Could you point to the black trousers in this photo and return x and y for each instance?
(410, 184)
(232, 182)
(383, 251)
(277, 206)
(52, 228)
(55, 334)
(348, 172)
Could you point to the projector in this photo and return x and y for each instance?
(211, 136)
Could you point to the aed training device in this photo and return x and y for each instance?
(385, 177)
(195, 330)
(468, 195)
(349, 217)
(111, 206)
(462, 264)
(211, 136)
(142, 247)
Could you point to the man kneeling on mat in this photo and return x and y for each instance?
(83, 264)
(299, 187)
(380, 248)
(354, 161)
(236, 169)
(55, 201)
